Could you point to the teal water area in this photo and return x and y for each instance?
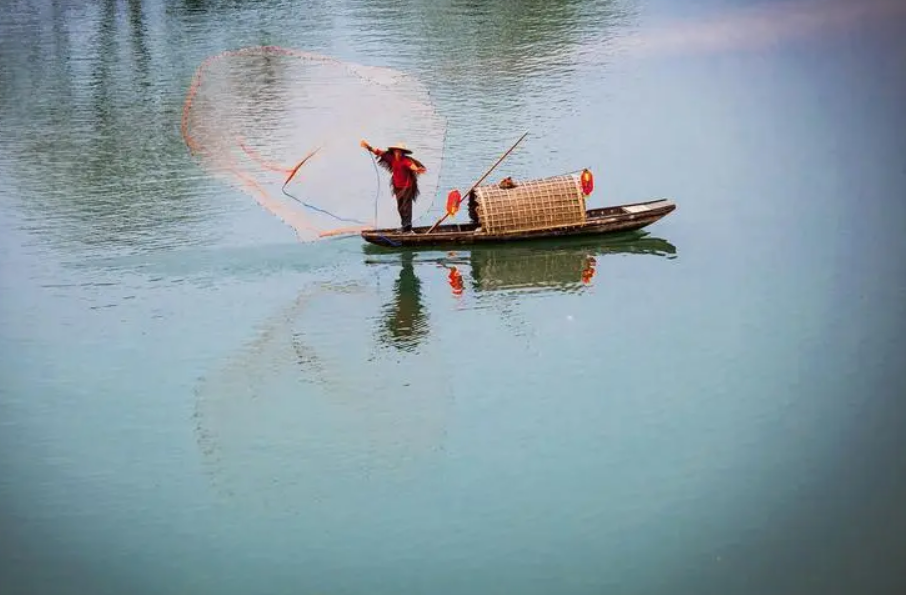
(194, 402)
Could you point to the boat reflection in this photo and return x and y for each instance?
(554, 266)
(501, 271)
(548, 266)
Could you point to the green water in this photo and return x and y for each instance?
(193, 402)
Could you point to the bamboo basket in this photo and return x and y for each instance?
(546, 203)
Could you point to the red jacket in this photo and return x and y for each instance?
(402, 174)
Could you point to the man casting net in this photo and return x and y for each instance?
(286, 127)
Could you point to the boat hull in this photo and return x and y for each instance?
(600, 221)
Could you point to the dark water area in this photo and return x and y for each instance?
(193, 401)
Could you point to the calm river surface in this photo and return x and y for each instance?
(192, 401)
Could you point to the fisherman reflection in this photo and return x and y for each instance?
(405, 320)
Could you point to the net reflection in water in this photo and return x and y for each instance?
(302, 412)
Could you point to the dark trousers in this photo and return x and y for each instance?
(404, 198)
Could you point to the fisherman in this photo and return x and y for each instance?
(403, 180)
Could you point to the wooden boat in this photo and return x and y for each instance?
(551, 207)
(601, 221)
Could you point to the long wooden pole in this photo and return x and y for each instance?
(480, 180)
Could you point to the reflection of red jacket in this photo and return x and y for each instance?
(403, 176)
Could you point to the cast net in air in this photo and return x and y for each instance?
(259, 116)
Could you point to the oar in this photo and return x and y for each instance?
(480, 180)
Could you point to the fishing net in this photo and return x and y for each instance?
(284, 126)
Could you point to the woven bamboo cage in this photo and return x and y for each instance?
(544, 203)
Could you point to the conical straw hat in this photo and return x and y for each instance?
(401, 146)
